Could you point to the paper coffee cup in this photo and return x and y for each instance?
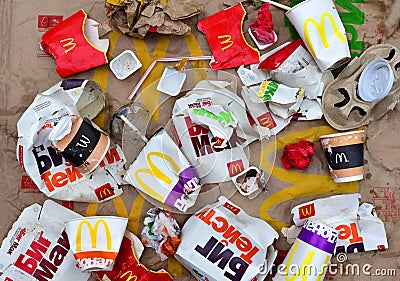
(79, 142)
(345, 155)
(321, 29)
(95, 241)
(309, 256)
(376, 80)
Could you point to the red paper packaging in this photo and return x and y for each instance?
(74, 45)
(224, 34)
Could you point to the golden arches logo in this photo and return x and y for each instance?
(93, 231)
(156, 172)
(227, 42)
(70, 43)
(130, 277)
(321, 31)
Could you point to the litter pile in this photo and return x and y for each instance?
(70, 158)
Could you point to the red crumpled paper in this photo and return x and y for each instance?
(298, 155)
(262, 28)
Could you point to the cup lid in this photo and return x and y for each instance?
(376, 80)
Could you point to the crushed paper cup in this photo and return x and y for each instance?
(79, 142)
(345, 155)
(125, 64)
(51, 172)
(171, 81)
(319, 26)
(359, 227)
(75, 45)
(162, 172)
(128, 267)
(37, 246)
(232, 244)
(310, 254)
(95, 241)
(376, 80)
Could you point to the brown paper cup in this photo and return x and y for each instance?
(345, 155)
(80, 143)
(95, 241)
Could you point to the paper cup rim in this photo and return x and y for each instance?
(300, 4)
(341, 134)
(349, 179)
(97, 217)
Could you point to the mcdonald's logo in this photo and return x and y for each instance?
(321, 31)
(307, 211)
(227, 42)
(341, 157)
(70, 43)
(130, 277)
(266, 120)
(235, 167)
(93, 231)
(156, 172)
(105, 191)
(232, 208)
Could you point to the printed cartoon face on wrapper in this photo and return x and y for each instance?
(95, 241)
(319, 25)
(162, 171)
(79, 142)
(75, 45)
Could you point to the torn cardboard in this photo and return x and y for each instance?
(137, 18)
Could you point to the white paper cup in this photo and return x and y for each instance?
(376, 80)
(95, 241)
(345, 155)
(319, 25)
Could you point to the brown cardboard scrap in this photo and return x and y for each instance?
(136, 18)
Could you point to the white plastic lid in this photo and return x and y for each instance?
(376, 80)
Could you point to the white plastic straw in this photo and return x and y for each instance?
(133, 127)
(151, 66)
(287, 8)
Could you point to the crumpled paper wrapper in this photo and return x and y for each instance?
(136, 18)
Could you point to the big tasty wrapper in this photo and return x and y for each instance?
(37, 246)
(232, 244)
